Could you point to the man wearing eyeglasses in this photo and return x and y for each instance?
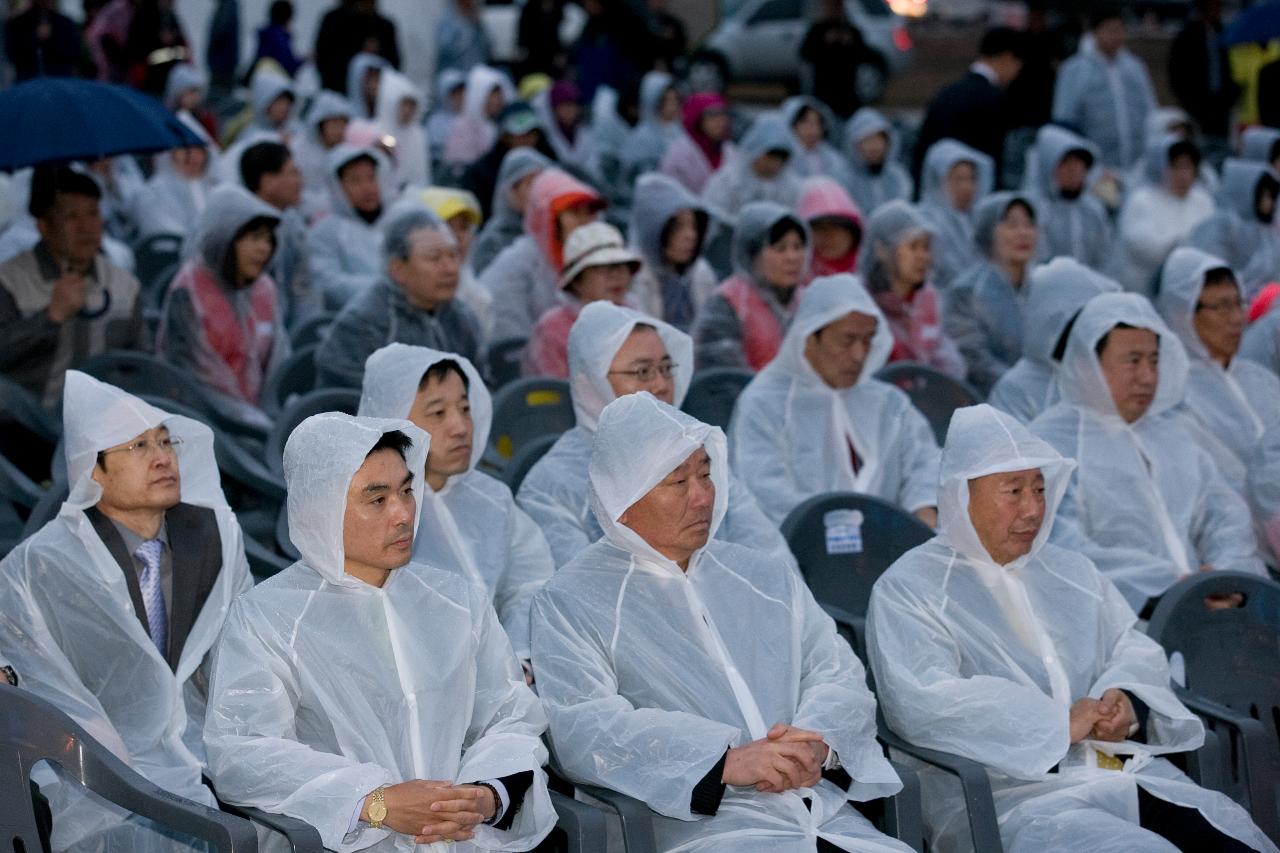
(615, 351)
(1234, 403)
(109, 611)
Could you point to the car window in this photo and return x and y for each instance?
(777, 10)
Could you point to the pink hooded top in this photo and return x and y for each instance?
(823, 198)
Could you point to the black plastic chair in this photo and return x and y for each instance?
(524, 410)
(1233, 677)
(28, 433)
(713, 393)
(12, 526)
(841, 560)
(504, 361)
(47, 509)
(156, 261)
(934, 393)
(17, 488)
(33, 730)
(323, 400)
(520, 465)
(312, 331)
(295, 376)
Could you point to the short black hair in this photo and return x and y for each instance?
(998, 40)
(1101, 12)
(1184, 148)
(1084, 155)
(784, 226)
(1102, 341)
(1220, 275)
(438, 371)
(281, 12)
(49, 182)
(1060, 348)
(262, 158)
(392, 440)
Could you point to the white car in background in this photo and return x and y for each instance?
(759, 41)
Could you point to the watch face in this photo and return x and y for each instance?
(377, 811)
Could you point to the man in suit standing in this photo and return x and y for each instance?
(974, 109)
(109, 611)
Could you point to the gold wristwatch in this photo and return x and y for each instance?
(378, 808)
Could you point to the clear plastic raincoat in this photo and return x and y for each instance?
(1235, 233)
(70, 629)
(1147, 504)
(659, 288)
(344, 250)
(1056, 293)
(736, 183)
(1107, 99)
(985, 660)
(326, 687)
(873, 186)
(793, 436)
(953, 247)
(555, 491)
(649, 673)
(1077, 227)
(472, 525)
(505, 223)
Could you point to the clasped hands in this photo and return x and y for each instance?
(435, 811)
(1107, 719)
(784, 759)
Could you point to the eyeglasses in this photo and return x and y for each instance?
(143, 448)
(1231, 307)
(649, 372)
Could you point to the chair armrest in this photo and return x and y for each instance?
(902, 815)
(636, 818)
(583, 824)
(974, 782)
(302, 836)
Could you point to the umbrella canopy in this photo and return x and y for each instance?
(56, 120)
(1259, 23)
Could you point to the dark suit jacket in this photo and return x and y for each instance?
(972, 110)
(196, 547)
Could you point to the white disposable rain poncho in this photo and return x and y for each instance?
(309, 152)
(1161, 122)
(646, 143)
(344, 250)
(1107, 100)
(1259, 144)
(170, 202)
(650, 673)
(266, 86)
(412, 151)
(1147, 505)
(660, 289)
(985, 660)
(1262, 341)
(474, 132)
(361, 64)
(583, 151)
(1153, 220)
(1056, 293)
(1235, 233)
(69, 627)
(506, 223)
(472, 525)
(326, 687)
(736, 184)
(442, 115)
(872, 186)
(792, 434)
(823, 159)
(554, 493)
(1233, 408)
(953, 247)
(1077, 227)
(984, 312)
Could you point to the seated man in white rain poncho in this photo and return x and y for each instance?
(992, 643)
(470, 521)
(109, 611)
(1147, 504)
(1059, 291)
(615, 351)
(817, 420)
(372, 696)
(696, 675)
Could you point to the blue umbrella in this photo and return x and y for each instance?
(1259, 23)
(58, 119)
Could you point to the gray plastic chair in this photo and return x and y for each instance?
(842, 581)
(934, 393)
(157, 260)
(524, 410)
(47, 509)
(33, 730)
(28, 433)
(520, 465)
(713, 393)
(1233, 677)
(583, 826)
(312, 331)
(504, 360)
(295, 376)
(345, 400)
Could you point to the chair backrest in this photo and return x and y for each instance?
(156, 261)
(504, 360)
(295, 376)
(1232, 656)
(47, 509)
(526, 409)
(33, 730)
(140, 373)
(312, 331)
(520, 464)
(843, 542)
(16, 487)
(713, 393)
(323, 400)
(934, 393)
(28, 433)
